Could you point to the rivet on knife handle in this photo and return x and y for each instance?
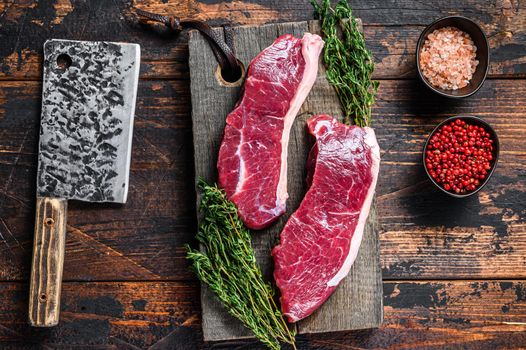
(48, 261)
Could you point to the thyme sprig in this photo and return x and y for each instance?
(227, 265)
(349, 64)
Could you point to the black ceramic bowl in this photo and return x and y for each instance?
(481, 42)
(493, 135)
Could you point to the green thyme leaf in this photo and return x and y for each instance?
(227, 265)
(349, 64)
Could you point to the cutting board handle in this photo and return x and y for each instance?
(48, 261)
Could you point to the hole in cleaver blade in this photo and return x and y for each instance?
(86, 126)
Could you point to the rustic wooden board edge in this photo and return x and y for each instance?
(222, 326)
(249, 41)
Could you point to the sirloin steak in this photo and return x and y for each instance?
(252, 162)
(321, 239)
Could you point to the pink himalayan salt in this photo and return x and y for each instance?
(448, 58)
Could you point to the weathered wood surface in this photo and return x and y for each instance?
(481, 237)
(357, 303)
(107, 315)
(424, 235)
(166, 315)
(392, 29)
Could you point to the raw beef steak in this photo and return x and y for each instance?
(320, 241)
(252, 161)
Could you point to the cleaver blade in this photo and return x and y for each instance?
(88, 105)
(87, 120)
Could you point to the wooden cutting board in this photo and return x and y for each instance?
(357, 302)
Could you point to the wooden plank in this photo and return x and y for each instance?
(107, 315)
(481, 315)
(483, 237)
(442, 315)
(393, 48)
(391, 30)
(358, 303)
(377, 12)
(424, 233)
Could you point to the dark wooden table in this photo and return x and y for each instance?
(454, 270)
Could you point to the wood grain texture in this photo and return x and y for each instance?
(166, 315)
(392, 29)
(441, 315)
(358, 298)
(48, 261)
(423, 234)
(107, 315)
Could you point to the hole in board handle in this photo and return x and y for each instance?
(64, 61)
(42, 297)
(229, 78)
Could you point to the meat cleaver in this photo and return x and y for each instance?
(88, 105)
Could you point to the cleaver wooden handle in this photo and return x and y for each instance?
(48, 261)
